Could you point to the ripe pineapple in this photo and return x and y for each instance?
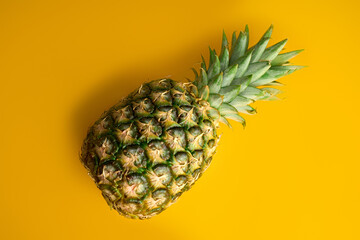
(152, 146)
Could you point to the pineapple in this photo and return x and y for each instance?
(153, 145)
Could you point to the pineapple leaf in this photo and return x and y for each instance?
(246, 109)
(229, 75)
(243, 63)
(224, 59)
(203, 77)
(241, 75)
(241, 45)
(283, 70)
(243, 82)
(285, 57)
(215, 83)
(269, 92)
(224, 43)
(274, 83)
(245, 44)
(230, 92)
(252, 93)
(233, 40)
(236, 117)
(226, 108)
(214, 68)
(212, 56)
(195, 73)
(271, 52)
(257, 70)
(261, 45)
(225, 121)
(215, 100)
(204, 93)
(213, 113)
(263, 80)
(240, 101)
(203, 63)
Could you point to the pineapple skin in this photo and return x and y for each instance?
(152, 146)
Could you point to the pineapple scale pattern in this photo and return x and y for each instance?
(152, 146)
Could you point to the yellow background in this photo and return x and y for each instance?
(293, 173)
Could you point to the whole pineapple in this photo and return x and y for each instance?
(153, 145)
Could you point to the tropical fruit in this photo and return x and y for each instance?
(152, 146)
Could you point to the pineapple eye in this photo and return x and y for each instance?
(211, 143)
(207, 123)
(181, 157)
(161, 195)
(144, 89)
(163, 171)
(182, 115)
(127, 207)
(198, 154)
(165, 109)
(137, 185)
(181, 180)
(165, 83)
(177, 95)
(128, 111)
(195, 131)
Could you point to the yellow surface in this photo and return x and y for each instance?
(293, 173)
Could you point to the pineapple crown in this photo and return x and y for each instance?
(241, 75)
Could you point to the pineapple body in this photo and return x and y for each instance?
(152, 146)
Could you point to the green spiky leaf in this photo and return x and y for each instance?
(214, 68)
(225, 121)
(215, 100)
(195, 73)
(224, 42)
(240, 101)
(246, 109)
(215, 83)
(257, 70)
(263, 80)
(233, 40)
(269, 92)
(224, 55)
(229, 75)
(252, 93)
(259, 48)
(271, 52)
(203, 63)
(224, 60)
(230, 92)
(213, 113)
(237, 118)
(242, 75)
(212, 56)
(283, 70)
(243, 82)
(243, 64)
(285, 57)
(204, 93)
(240, 47)
(226, 108)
